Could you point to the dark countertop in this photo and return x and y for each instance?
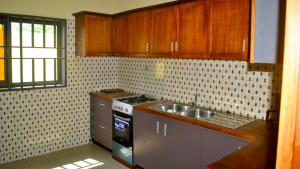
(259, 154)
(110, 96)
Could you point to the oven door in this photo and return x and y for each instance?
(122, 129)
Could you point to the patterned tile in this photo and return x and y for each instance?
(34, 122)
(222, 85)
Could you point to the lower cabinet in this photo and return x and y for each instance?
(217, 145)
(101, 121)
(163, 143)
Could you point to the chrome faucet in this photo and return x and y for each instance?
(194, 104)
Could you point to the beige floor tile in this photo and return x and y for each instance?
(67, 158)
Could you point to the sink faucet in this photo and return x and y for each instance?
(194, 104)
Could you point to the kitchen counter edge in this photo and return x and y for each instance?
(110, 96)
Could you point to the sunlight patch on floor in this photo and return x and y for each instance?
(85, 164)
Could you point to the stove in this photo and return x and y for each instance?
(122, 142)
(126, 104)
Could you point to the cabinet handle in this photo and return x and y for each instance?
(172, 46)
(147, 47)
(101, 104)
(102, 127)
(244, 45)
(176, 46)
(157, 127)
(122, 118)
(165, 129)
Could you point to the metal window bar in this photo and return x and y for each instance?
(44, 82)
(32, 73)
(59, 44)
(55, 27)
(44, 34)
(8, 52)
(21, 52)
(32, 33)
(44, 71)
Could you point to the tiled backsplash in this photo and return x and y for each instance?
(222, 85)
(41, 121)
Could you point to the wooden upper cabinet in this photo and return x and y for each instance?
(164, 30)
(229, 29)
(212, 29)
(93, 34)
(139, 26)
(119, 35)
(193, 21)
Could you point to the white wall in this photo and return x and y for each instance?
(132, 4)
(57, 8)
(65, 8)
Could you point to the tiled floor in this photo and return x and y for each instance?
(81, 157)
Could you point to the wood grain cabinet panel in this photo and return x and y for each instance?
(93, 34)
(164, 30)
(210, 29)
(139, 26)
(193, 22)
(119, 35)
(229, 29)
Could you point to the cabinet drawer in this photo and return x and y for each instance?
(102, 111)
(103, 134)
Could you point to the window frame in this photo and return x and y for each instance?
(4, 82)
(60, 44)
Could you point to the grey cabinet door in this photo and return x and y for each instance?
(267, 29)
(103, 134)
(182, 145)
(102, 110)
(101, 121)
(216, 145)
(147, 141)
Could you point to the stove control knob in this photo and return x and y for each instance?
(126, 110)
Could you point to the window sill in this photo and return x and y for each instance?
(5, 89)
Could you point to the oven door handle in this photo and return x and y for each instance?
(122, 118)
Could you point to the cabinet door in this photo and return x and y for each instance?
(193, 18)
(119, 35)
(182, 145)
(98, 34)
(147, 140)
(101, 121)
(216, 145)
(102, 110)
(139, 25)
(229, 29)
(103, 133)
(164, 28)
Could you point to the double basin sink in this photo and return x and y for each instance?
(185, 110)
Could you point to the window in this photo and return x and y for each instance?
(32, 52)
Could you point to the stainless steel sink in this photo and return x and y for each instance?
(185, 110)
(203, 113)
(174, 108)
(188, 113)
